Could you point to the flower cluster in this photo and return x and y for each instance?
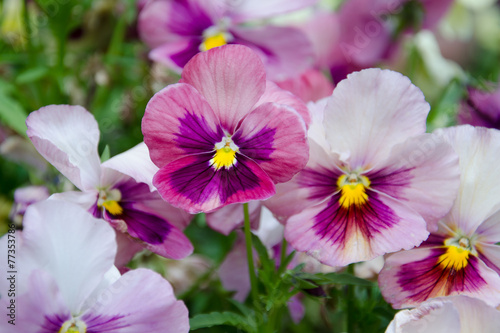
(287, 159)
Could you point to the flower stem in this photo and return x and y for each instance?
(248, 242)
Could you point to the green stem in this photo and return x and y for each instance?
(351, 324)
(248, 242)
(283, 256)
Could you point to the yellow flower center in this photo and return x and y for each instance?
(353, 190)
(212, 41)
(73, 326)
(455, 257)
(109, 199)
(225, 154)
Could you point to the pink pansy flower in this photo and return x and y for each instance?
(374, 177)
(223, 135)
(67, 282)
(457, 314)
(310, 85)
(118, 191)
(462, 256)
(176, 30)
(482, 108)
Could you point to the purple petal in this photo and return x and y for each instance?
(176, 54)
(191, 183)
(279, 147)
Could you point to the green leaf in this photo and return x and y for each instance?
(105, 154)
(220, 318)
(265, 261)
(12, 114)
(344, 278)
(32, 75)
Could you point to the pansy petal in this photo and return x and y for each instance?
(423, 173)
(67, 136)
(178, 121)
(164, 21)
(42, 307)
(53, 244)
(279, 147)
(411, 277)
(158, 235)
(478, 196)
(285, 51)
(127, 247)
(382, 108)
(489, 230)
(135, 163)
(475, 315)
(314, 184)
(490, 254)
(176, 54)
(192, 183)
(140, 301)
(230, 217)
(231, 78)
(250, 10)
(338, 236)
(275, 94)
(310, 85)
(233, 271)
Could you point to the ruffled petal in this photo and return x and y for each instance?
(54, 245)
(478, 195)
(285, 51)
(140, 301)
(411, 277)
(372, 111)
(191, 183)
(423, 173)
(490, 255)
(274, 94)
(178, 121)
(67, 136)
(310, 85)
(135, 163)
(231, 78)
(338, 236)
(279, 147)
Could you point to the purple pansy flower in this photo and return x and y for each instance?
(223, 135)
(67, 282)
(462, 256)
(374, 177)
(482, 108)
(176, 30)
(118, 191)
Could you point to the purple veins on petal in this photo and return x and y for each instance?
(54, 322)
(259, 146)
(195, 135)
(436, 276)
(338, 224)
(320, 181)
(98, 323)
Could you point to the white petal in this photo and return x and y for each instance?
(67, 136)
(370, 112)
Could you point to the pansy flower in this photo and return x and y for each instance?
(176, 30)
(463, 255)
(374, 178)
(118, 191)
(481, 108)
(223, 135)
(67, 282)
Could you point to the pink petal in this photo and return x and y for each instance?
(278, 146)
(372, 111)
(411, 277)
(140, 301)
(231, 78)
(337, 236)
(192, 184)
(177, 122)
(285, 51)
(311, 85)
(67, 136)
(233, 271)
(176, 54)
(423, 173)
(275, 94)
